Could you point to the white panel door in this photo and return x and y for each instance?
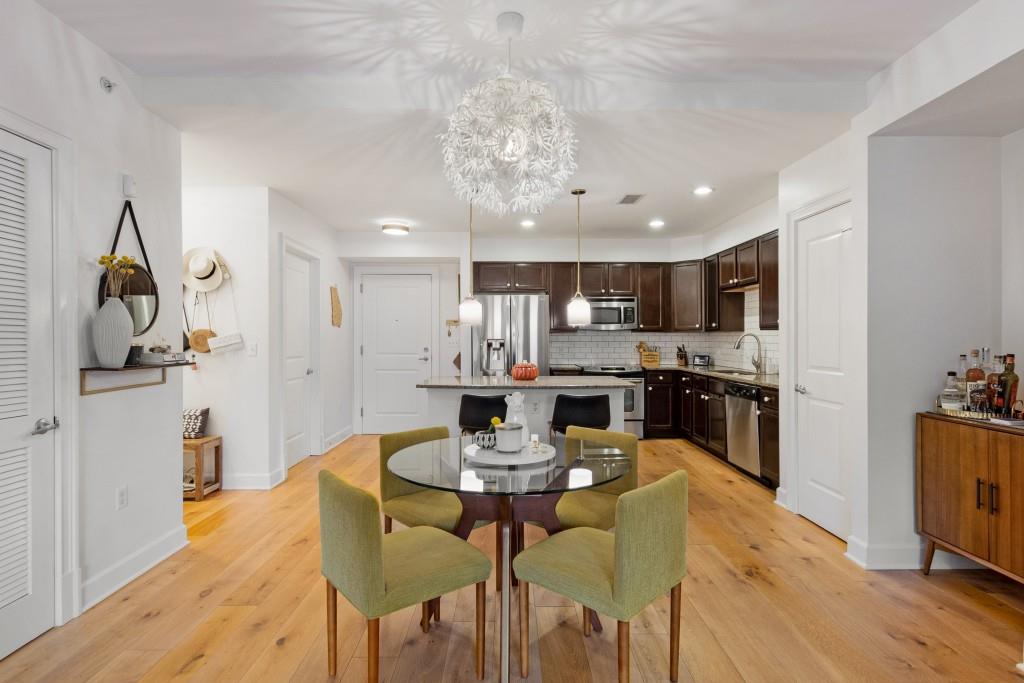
(822, 262)
(26, 393)
(297, 360)
(396, 348)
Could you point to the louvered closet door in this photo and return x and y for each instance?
(26, 393)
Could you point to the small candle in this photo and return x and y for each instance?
(535, 441)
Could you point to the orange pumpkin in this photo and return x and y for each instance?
(525, 371)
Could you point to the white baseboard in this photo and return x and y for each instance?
(782, 498)
(96, 588)
(70, 595)
(336, 438)
(881, 557)
(259, 481)
(275, 478)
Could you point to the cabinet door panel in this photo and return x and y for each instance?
(651, 295)
(687, 295)
(768, 444)
(711, 295)
(562, 287)
(622, 278)
(716, 424)
(768, 277)
(530, 277)
(493, 277)
(953, 471)
(1006, 502)
(659, 408)
(699, 432)
(594, 279)
(746, 263)
(727, 268)
(687, 397)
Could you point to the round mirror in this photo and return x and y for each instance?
(140, 297)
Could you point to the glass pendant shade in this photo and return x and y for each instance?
(471, 312)
(578, 311)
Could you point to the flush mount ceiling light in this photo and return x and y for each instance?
(527, 223)
(509, 146)
(471, 312)
(578, 311)
(703, 190)
(657, 224)
(395, 229)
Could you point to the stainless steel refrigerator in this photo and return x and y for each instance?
(514, 330)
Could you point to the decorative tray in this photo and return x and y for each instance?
(527, 456)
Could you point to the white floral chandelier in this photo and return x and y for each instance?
(510, 146)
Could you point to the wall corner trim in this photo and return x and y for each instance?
(97, 588)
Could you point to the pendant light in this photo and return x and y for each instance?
(471, 312)
(578, 311)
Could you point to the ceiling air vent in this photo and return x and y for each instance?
(631, 198)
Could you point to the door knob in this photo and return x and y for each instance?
(424, 358)
(800, 389)
(43, 426)
(309, 371)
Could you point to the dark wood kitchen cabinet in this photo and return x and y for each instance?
(768, 436)
(621, 279)
(561, 288)
(699, 430)
(726, 268)
(723, 311)
(686, 401)
(746, 263)
(687, 295)
(510, 277)
(716, 418)
(659, 406)
(594, 279)
(652, 296)
(768, 277)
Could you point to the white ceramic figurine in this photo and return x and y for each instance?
(517, 413)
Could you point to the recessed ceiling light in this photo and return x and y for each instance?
(657, 224)
(395, 229)
(703, 190)
(527, 223)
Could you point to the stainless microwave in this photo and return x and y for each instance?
(612, 313)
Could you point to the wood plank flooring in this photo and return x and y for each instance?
(769, 597)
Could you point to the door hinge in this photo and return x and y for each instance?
(360, 412)
(360, 287)
(360, 349)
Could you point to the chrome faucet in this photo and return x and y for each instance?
(757, 360)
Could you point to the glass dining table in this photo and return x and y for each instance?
(518, 488)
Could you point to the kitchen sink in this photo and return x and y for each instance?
(737, 373)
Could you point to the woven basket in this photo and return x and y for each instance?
(650, 359)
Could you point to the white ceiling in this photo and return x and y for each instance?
(337, 103)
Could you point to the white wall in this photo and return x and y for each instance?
(49, 75)
(752, 223)
(935, 217)
(1013, 245)
(235, 386)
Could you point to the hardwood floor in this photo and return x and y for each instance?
(769, 597)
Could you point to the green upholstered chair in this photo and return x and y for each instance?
(380, 574)
(616, 574)
(596, 507)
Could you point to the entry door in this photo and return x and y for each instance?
(298, 369)
(26, 393)
(396, 351)
(822, 367)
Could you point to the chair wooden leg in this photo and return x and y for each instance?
(387, 524)
(481, 626)
(332, 629)
(524, 629)
(929, 555)
(623, 652)
(425, 617)
(586, 621)
(497, 561)
(673, 654)
(373, 650)
(436, 608)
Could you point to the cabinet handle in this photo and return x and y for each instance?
(714, 324)
(508, 284)
(650, 388)
(767, 399)
(993, 500)
(687, 391)
(977, 492)
(641, 325)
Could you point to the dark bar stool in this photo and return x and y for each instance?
(475, 412)
(579, 411)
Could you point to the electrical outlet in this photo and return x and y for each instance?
(121, 502)
(253, 349)
(535, 407)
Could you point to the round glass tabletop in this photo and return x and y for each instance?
(452, 465)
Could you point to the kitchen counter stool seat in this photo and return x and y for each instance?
(380, 574)
(475, 412)
(581, 411)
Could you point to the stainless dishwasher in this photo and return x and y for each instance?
(741, 427)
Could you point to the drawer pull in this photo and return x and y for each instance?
(979, 484)
(993, 499)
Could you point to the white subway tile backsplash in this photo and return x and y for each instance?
(619, 348)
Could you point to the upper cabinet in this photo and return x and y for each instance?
(594, 279)
(768, 276)
(653, 296)
(727, 268)
(608, 279)
(510, 277)
(723, 311)
(687, 295)
(561, 288)
(738, 266)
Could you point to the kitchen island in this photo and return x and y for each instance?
(445, 395)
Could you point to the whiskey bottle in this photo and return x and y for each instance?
(1008, 382)
(993, 384)
(976, 386)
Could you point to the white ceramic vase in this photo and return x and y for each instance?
(112, 330)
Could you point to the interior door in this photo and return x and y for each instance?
(298, 367)
(26, 393)
(397, 350)
(822, 262)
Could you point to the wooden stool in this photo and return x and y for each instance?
(197, 448)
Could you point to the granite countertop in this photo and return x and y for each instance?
(545, 382)
(723, 373)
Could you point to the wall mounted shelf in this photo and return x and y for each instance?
(83, 389)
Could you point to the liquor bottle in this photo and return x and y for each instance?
(986, 360)
(951, 397)
(992, 380)
(962, 373)
(1008, 382)
(977, 387)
